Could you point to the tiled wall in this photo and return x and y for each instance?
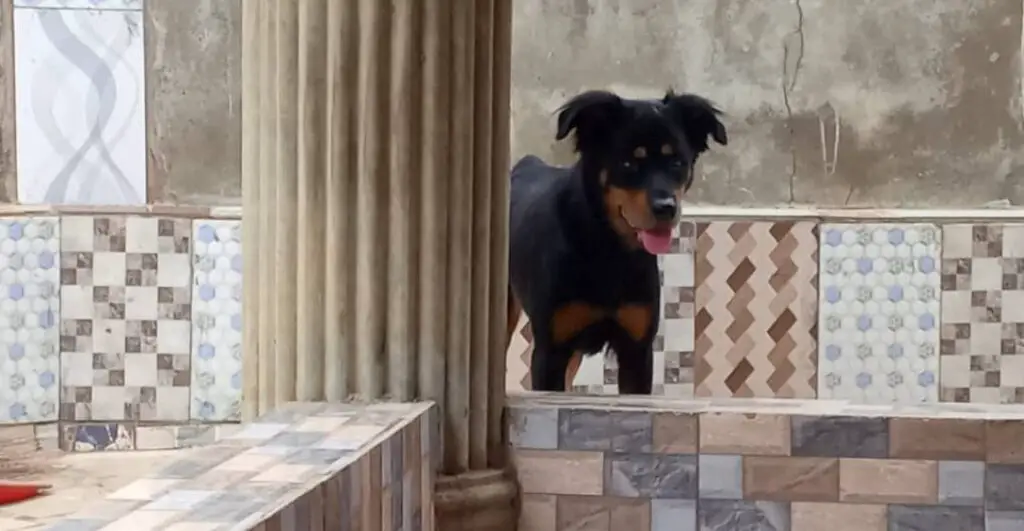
(773, 465)
(116, 324)
(307, 466)
(875, 313)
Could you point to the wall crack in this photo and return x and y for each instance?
(792, 60)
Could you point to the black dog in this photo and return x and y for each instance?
(584, 238)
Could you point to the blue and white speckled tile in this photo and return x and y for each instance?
(29, 310)
(878, 320)
(217, 320)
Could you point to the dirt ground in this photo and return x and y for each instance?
(76, 479)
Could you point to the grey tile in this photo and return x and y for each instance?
(588, 429)
(78, 525)
(315, 456)
(185, 469)
(840, 436)
(1004, 520)
(534, 428)
(296, 439)
(227, 507)
(1004, 488)
(720, 476)
(180, 500)
(651, 476)
(728, 515)
(932, 518)
(961, 482)
(673, 515)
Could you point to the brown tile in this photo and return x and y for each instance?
(538, 512)
(596, 513)
(945, 439)
(838, 517)
(675, 433)
(746, 434)
(559, 472)
(888, 481)
(1003, 441)
(370, 483)
(791, 478)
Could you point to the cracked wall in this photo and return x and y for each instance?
(831, 103)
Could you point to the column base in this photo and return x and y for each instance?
(476, 500)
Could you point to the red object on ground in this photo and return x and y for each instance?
(16, 492)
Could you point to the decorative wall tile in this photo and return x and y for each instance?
(217, 320)
(982, 314)
(879, 312)
(97, 437)
(756, 289)
(69, 59)
(29, 309)
(125, 308)
(673, 345)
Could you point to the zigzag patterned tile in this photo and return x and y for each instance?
(756, 296)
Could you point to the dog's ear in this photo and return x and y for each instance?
(591, 114)
(697, 118)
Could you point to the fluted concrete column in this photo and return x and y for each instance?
(375, 162)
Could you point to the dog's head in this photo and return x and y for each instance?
(642, 154)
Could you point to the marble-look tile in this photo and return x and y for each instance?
(533, 428)
(592, 429)
(961, 482)
(756, 285)
(941, 518)
(729, 515)
(739, 433)
(922, 438)
(673, 515)
(840, 436)
(125, 307)
(1004, 487)
(674, 345)
(1004, 520)
(651, 476)
(838, 517)
(674, 433)
(217, 320)
(791, 478)
(982, 329)
(1003, 442)
(97, 437)
(879, 310)
(888, 481)
(64, 58)
(720, 476)
(559, 472)
(593, 512)
(538, 513)
(29, 310)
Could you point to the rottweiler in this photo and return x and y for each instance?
(584, 239)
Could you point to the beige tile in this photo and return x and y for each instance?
(538, 512)
(740, 433)
(249, 461)
(1003, 442)
(557, 472)
(142, 489)
(939, 439)
(141, 521)
(156, 437)
(790, 478)
(284, 474)
(193, 526)
(675, 433)
(888, 481)
(322, 424)
(838, 517)
(600, 513)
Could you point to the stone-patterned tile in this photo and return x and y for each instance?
(952, 439)
(97, 437)
(791, 478)
(745, 434)
(673, 515)
(720, 476)
(838, 517)
(728, 515)
(1003, 442)
(1004, 488)
(918, 517)
(756, 301)
(594, 512)
(888, 481)
(125, 310)
(533, 428)
(538, 513)
(840, 436)
(29, 331)
(982, 314)
(879, 310)
(961, 482)
(593, 429)
(217, 320)
(1004, 520)
(674, 433)
(651, 476)
(558, 472)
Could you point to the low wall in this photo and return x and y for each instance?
(305, 466)
(775, 465)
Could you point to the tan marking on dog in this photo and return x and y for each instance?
(640, 152)
(573, 318)
(666, 149)
(635, 319)
(574, 367)
(627, 211)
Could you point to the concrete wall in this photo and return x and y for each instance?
(835, 103)
(924, 96)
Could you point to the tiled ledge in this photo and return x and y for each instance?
(663, 464)
(864, 215)
(305, 466)
(178, 211)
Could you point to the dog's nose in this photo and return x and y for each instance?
(664, 208)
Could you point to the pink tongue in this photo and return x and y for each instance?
(656, 241)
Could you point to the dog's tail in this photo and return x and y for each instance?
(513, 316)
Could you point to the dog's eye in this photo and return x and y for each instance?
(676, 163)
(628, 165)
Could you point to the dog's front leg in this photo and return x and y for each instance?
(636, 367)
(548, 366)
